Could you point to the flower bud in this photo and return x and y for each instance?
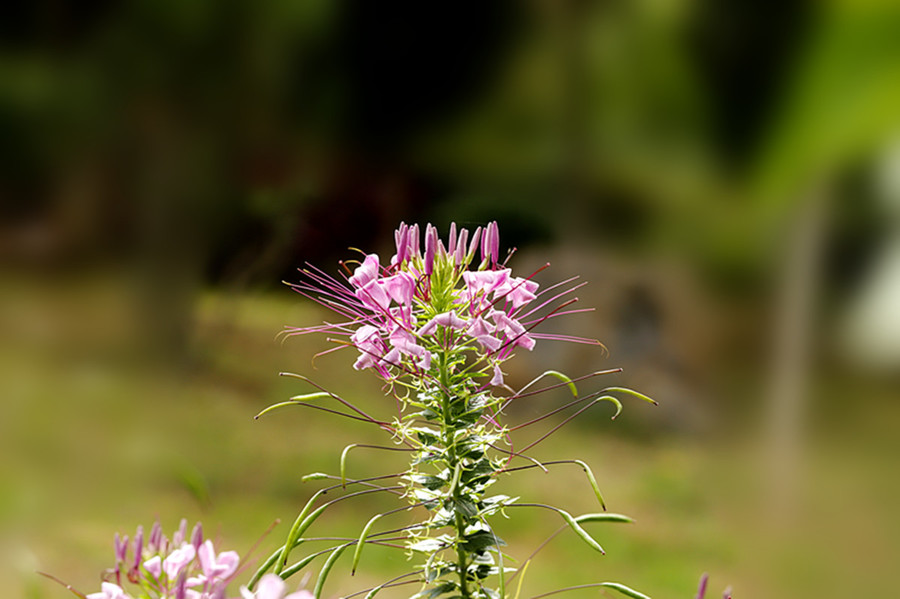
(197, 536)
(138, 546)
(430, 243)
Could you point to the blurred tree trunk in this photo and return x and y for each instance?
(173, 178)
(574, 172)
(792, 351)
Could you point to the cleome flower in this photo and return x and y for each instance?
(433, 302)
(181, 568)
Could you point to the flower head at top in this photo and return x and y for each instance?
(434, 302)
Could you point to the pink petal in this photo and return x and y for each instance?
(485, 281)
(478, 327)
(366, 272)
(178, 559)
(489, 343)
(374, 296)
(518, 291)
(400, 287)
(497, 380)
(271, 586)
(154, 566)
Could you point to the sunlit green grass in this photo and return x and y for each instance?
(96, 438)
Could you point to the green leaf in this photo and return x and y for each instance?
(447, 587)
(464, 507)
(426, 435)
(478, 473)
(430, 482)
(481, 540)
(426, 545)
(627, 591)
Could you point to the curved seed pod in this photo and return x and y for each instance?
(294, 568)
(303, 521)
(627, 591)
(593, 481)
(564, 378)
(291, 402)
(580, 531)
(604, 517)
(632, 393)
(614, 401)
(357, 553)
(344, 464)
(326, 570)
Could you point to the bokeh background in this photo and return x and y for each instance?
(724, 173)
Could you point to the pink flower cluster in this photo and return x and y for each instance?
(183, 568)
(429, 300)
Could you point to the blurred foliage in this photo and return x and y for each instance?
(232, 138)
(661, 148)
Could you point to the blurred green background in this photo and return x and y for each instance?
(724, 173)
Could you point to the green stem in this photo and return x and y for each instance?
(454, 465)
(461, 559)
